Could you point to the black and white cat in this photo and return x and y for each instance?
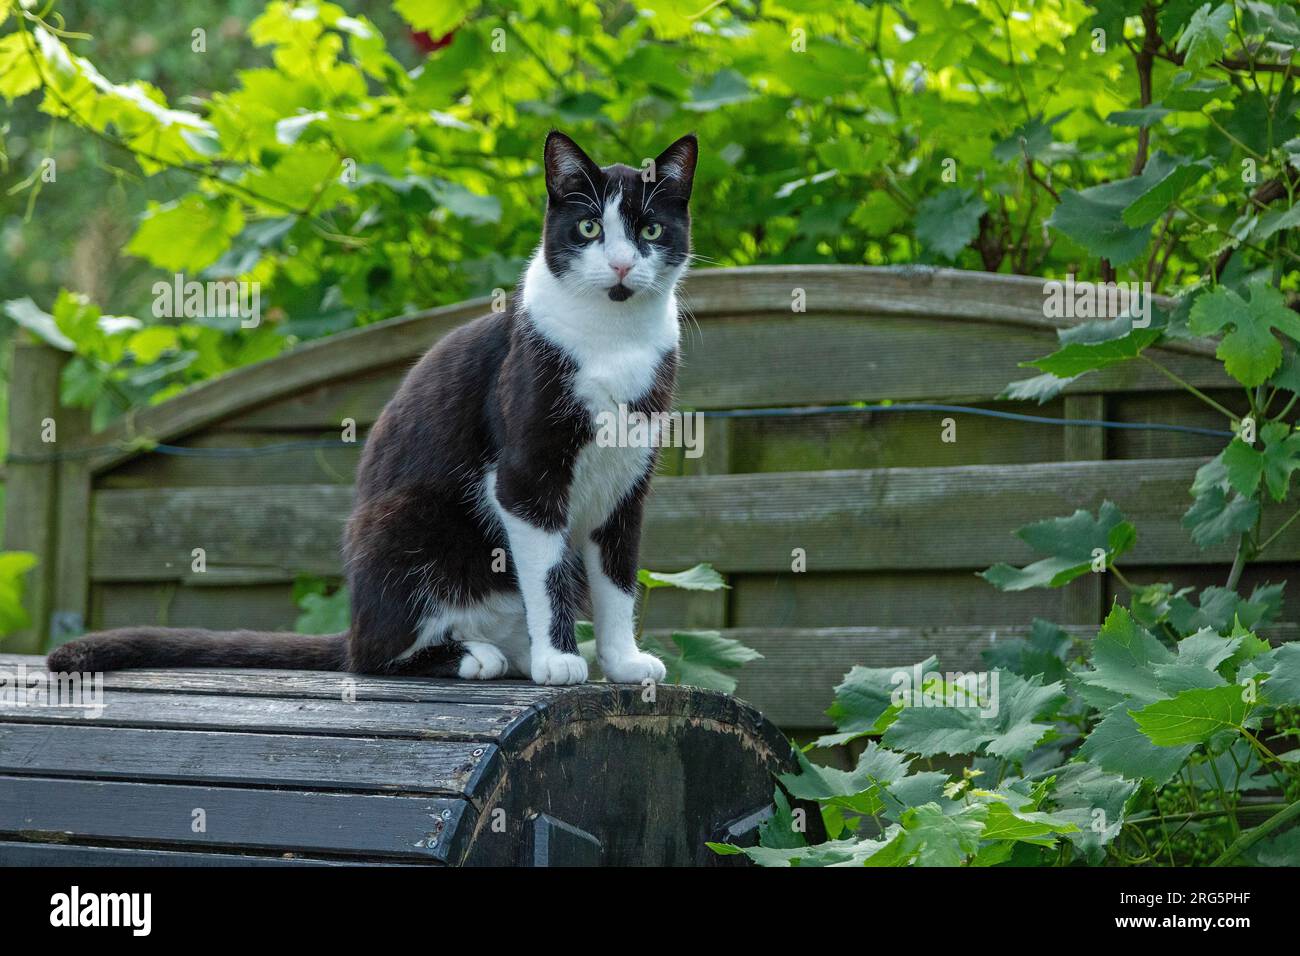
(486, 511)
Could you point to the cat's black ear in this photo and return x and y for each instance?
(565, 161)
(676, 164)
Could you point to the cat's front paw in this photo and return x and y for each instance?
(556, 667)
(633, 668)
(482, 662)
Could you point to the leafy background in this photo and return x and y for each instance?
(366, 161)
(1049, 137)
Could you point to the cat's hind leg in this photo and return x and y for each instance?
(468, 661)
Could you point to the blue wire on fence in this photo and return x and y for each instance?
(965, 410)
(182, 451)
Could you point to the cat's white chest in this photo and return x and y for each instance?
(615, 377)
(603, 475)
(609, 467)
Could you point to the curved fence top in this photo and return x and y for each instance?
(898, 291)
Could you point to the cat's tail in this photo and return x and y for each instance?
(136, 647)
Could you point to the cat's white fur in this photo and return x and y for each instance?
(616, 348)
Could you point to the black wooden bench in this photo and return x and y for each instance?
(221, 767)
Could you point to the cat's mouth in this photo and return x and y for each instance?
(620, 293)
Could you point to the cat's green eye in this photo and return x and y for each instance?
(652, 232)
(589, 228)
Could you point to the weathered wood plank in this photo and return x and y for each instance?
(325, 406)
(309, 463)
(749, 360)
(891, 519)
(232, 818)
(322, 685)
(893, 440)
(1177, 408)
(122, 708)
(13, 853)
(880, 599)
(824, 358)
(255, 607)
(1014, 302)
(266, 760)
(919, 518)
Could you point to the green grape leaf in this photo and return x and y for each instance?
(1164, 180)
(1124, 656)
(863, 702)
(1079, 357)
(31, 317)
(14, 566)
(1278, 850)
(18, 73)
(324, 614)
(1024, 826)
(187, 235)
(1281, 457)
(434, 17)
(947, 222)
(702, 577)
(1249, 350)
(1117, 745)
(1041, 388)
(1070, 544)
(1245, 466)
(1043, 653)
(1214, 517)
(857, 789)
(702, 659)
(1094, 218)
(1193, 716)
(1095, 802)
(1005, 726)
(932, 836)
(780, 831)
(1202, 39)
(1282, 665)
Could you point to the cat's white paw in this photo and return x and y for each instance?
(555, 667)
(633, 668)
(482, 662)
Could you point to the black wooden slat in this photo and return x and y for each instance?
(324, 685)
(235, 818)
(267, 715)
(324, 763)
(59, 854)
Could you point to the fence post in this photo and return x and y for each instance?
(708, 609)
(31, 486)
(1084, 601)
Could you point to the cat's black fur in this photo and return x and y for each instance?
(495, 393)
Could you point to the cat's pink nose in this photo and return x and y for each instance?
(621, 270)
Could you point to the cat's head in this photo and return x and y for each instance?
(615, 232)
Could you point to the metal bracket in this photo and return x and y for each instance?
(553, 842)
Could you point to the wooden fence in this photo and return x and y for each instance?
(893, 520)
